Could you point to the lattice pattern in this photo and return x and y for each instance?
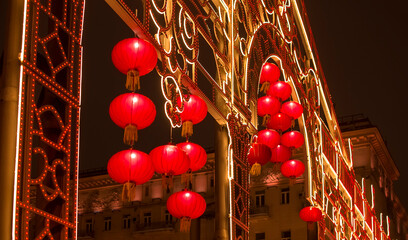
(48, 151)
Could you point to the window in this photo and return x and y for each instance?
(147, 218)
(260, 236)
(126, 221)
(260, 198)
(285, 235)
(212, 182)
(146, 191)
(89, 226)
(285, 196)
(108, 223)
(168, 217)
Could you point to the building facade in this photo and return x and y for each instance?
(274, 202)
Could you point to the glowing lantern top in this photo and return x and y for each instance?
(292, 139)
(280, 154)
(169, 160)
(292, 109)
(130, 166)
(134, 57)
(197, 154)
(281, 90)
(194, 111)
(268, 105)
(280, 122)
(270, 73)
(292, 168)
(186, 205)
(269, 137)
(310, 214)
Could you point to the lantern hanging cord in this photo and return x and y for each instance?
(171, 134)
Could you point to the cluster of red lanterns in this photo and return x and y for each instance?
(278, 112)
(132, 111)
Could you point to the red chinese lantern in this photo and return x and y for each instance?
(280, 122)
(134, 57)
(280, 90)
(130, 167)
(270, 73)
(269, 137)
(169, 160)
(194, 111)
(186, 205)
(280, 154)
(311, 214)
(259, 154)
(292, 169)
(292, 109)
(198, 158)
(132, 112)
(292, 139)
(267, 107)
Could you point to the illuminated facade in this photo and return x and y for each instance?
(215, 49)
(274, 208)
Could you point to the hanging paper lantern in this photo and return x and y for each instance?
(132, 112)
(169, 160)
(280, 122)
(310, 214)
(194, 111)
(292, 139)
(292, 109)
(280, 90)
(267, 107)
(270, 73)
(269, 137)
(259, 154)
(280, 154)
(134, 57)
(292, 169)
(186, 205)
(130, 167)
(198, 158)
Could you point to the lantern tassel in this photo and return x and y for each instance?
(167, 182)
(128, 191)
(265, 119)
(187, 129)
(265, 87)
(185, 223)
(187, 178)
(130, 136)
(255, 169)
(132, 80)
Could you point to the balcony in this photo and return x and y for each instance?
(86, 235)
(259, 211)
(157, 226)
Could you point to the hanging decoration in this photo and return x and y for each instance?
(130, 167)
(280, 122)
(292, 109)
(270, 73)
(267, 107)
(186, 205)
(292, 139)
(280, 90)
(311, 214)
(197, 156)
(194, 111)
(169, 160)
(280, 154)
(269, 137)
(292, 169)
(134, 57)
(132, 111)
(259, 154)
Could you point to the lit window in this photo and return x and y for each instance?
(286, 235)
(285, 196)
(168, 217)
(108, 224)
(89, 226)
(260, 236)
(126, 221)
(147, 218)
(260, 198)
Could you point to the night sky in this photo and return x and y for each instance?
(361, 45)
